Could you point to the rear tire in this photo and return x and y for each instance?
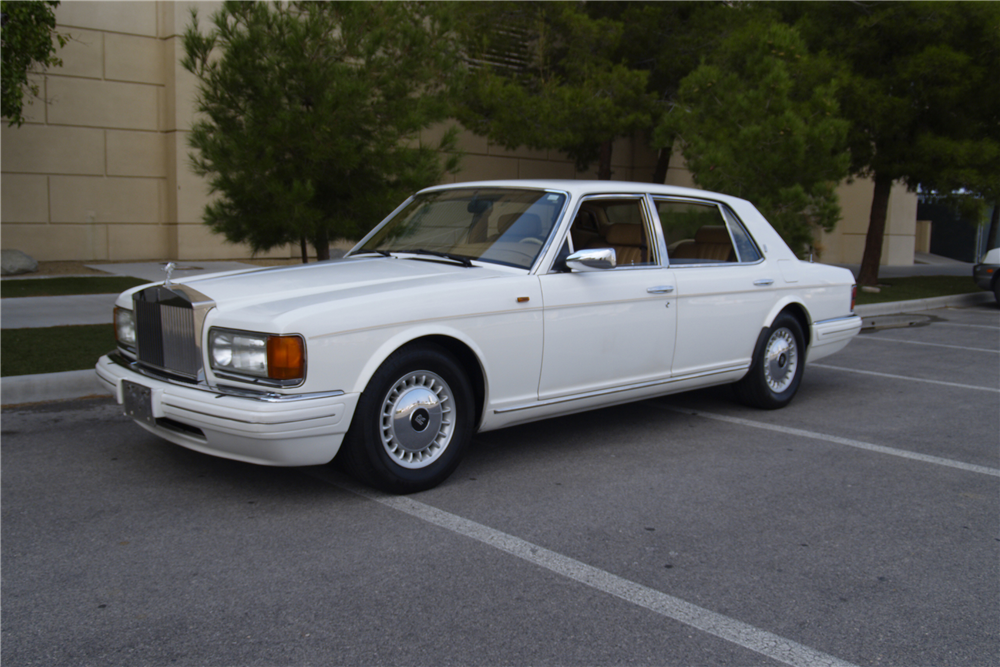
(778, 364)
(413, 422)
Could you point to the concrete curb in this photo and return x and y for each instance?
(20, 389)
(919, 305)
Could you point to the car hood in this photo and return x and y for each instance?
(268, 294)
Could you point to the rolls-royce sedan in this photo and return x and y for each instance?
(472, 307)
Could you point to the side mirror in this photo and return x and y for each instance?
(597, 259)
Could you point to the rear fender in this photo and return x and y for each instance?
(797, 309)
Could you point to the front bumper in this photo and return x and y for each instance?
(984, 274)
(255, 427)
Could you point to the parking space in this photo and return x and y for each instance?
(857, 526)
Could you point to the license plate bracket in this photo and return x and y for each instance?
(138, 402)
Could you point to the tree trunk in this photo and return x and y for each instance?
(868, 275)
(305, 250)
(663, 163)
(604, 169)
(322, 244)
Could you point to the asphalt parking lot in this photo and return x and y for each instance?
(860, 525)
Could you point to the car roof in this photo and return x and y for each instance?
(579, 188)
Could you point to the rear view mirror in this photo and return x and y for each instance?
(596, 259)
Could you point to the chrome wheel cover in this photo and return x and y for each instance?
(781, 360)
(417, 419)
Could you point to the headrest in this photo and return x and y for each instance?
(713, 234)
(478, 206)
(626, 234)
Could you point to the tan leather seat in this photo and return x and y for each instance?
(711, 242)
(628, 241)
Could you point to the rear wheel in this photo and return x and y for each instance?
(778, 364)
(413, 422)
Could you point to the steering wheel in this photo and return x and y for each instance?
(531, 240)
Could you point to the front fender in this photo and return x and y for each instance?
(403, 338)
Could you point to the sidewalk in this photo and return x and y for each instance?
(34, 312)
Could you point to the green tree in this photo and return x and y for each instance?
(669, 40)
(922, 95)
(546, 76)
(28, 29)
(310, 115)
(759, 120)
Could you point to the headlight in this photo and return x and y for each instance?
(257, 355)
(125, 327)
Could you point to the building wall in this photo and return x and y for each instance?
(86, 176)
(846, 244)
(100, 169)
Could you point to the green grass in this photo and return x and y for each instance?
(918, 287)
(54, 349)
(67, 286)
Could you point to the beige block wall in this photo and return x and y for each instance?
(134, 17)
(25, 199)
(42, 149)
(101, 169)
(846, 244)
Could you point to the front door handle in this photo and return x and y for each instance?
(764, 282)
(660, 289)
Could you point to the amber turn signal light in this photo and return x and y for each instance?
(286, 358)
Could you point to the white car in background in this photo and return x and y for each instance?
(987, 273)
(473, 307)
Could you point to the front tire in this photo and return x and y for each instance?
(413, 422)
(778, 364)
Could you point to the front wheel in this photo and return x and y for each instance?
(778, 363)
(413, 422)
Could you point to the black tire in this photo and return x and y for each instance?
(413, 422)
(996, 290)
(778, 364)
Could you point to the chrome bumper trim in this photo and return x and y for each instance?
(236, 392)
(834, 320)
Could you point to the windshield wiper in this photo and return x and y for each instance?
(384, 253)
(461, 259)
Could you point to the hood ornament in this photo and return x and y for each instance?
(169, 268)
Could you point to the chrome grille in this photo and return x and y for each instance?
(166, 333)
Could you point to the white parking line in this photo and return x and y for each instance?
(739, 633)
(901, 453)
(907, 377)
(919, 342)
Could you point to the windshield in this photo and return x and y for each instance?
(503, 226)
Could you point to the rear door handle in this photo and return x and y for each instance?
(660, 289)
(764, 282)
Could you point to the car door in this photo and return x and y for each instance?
(608, 328)
(724, 286)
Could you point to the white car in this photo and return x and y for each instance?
(473, 307)
(987, 273)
